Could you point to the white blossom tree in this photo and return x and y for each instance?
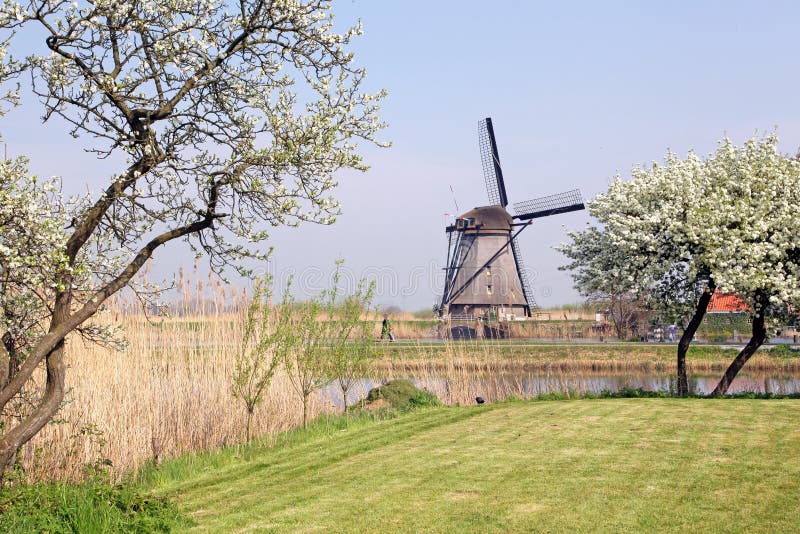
(231, 116)
(602, 278)
(754, 247)
(677, 232)
(647, 248)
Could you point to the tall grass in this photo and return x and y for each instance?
(168, 393)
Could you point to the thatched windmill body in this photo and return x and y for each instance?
(485, 275)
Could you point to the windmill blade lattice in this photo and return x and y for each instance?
(549, 205)
(527, 290)
(490, 160)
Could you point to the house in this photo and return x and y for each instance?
(726, 303)
(727, 318)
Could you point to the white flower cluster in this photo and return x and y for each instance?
(731, 218)
(31, 227)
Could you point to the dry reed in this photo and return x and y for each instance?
(168, 393)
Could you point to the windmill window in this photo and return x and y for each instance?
(488, 271)
(489, 289)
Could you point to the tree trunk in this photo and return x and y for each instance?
(305, 411)
(63, 322)
(5, 365)
(41, 415)
(9, 359)
(617, 317)
(13, 439)
(344, 398)
(688, 335)
(758, 337)
(249, 421)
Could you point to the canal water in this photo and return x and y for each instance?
(500, 386)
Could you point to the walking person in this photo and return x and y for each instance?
(386, 329)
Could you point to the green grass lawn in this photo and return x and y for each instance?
(616, 465)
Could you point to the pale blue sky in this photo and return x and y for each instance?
(578, 92)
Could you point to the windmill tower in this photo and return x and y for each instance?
(485, 275)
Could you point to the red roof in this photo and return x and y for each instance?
(726, 302)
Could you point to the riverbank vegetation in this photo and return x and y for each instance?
(170, 392)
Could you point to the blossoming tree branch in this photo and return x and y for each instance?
(231, 117)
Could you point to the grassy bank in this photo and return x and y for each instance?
(527, 355)
(606, 464)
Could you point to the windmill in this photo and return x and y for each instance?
(485, 276)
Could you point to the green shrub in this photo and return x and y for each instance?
(424, 399)
(88, 507)
(784, 351)
(400, 394)
(633, 393)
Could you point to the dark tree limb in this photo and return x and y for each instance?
(758, 338)
(688, 335)
(51, 346)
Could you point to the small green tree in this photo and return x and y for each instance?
(352, 349)
(258, 357)
(322, 341)
(302, 345)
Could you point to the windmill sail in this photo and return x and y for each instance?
(549, 205)
(523, 276)
(492, 173)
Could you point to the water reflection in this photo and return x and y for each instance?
(463, 388)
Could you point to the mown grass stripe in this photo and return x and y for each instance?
(285, 463)
(608, 465)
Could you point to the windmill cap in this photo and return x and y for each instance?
(490, 218)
